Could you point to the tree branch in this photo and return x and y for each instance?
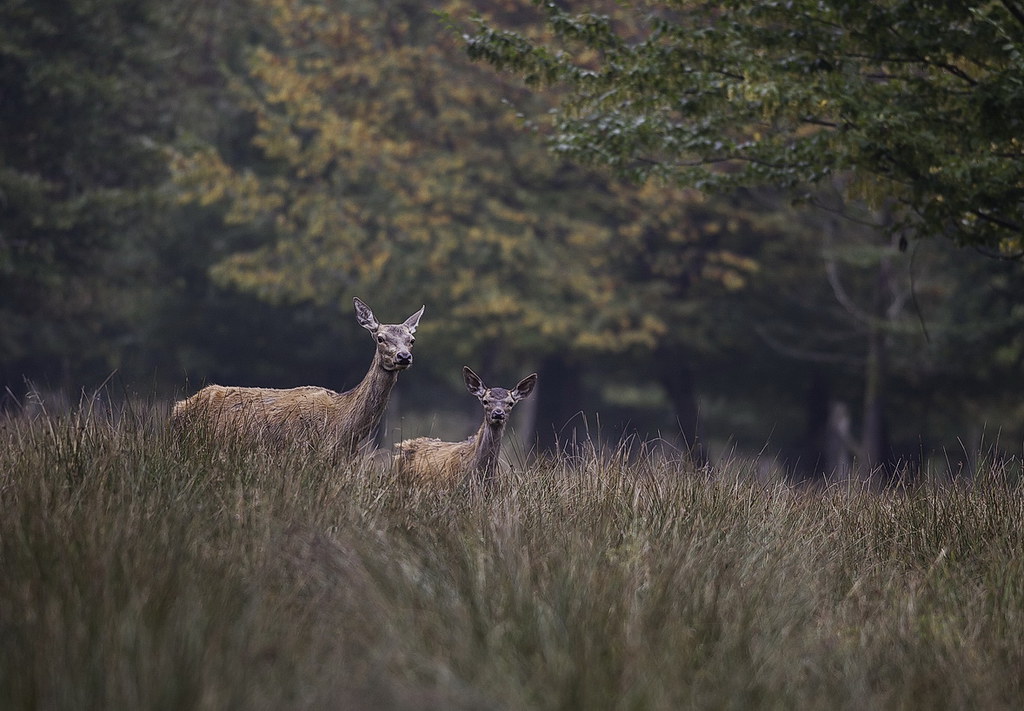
(1012, 8)
(1001, 222)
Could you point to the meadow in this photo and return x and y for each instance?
(142, 571)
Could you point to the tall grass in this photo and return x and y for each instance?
(139, 571)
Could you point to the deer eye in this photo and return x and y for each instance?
(380, 339)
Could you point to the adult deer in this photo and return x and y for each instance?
(338, 423)
(430, 459)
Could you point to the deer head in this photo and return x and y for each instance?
(394, 341)
(497, 402)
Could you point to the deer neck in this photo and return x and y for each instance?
(488, 445)
(368, 400)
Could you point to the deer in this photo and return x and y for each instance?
(338, 423)
(428, 459)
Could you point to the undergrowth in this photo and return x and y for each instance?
(143, 570)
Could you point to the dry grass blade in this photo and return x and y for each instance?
(144, 571)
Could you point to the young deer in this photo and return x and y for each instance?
(429, 459)
(334, 422)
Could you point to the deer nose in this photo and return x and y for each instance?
(403, 357)
(498, 414)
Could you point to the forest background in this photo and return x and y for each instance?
(192, 192)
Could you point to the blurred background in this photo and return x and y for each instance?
(192, 191)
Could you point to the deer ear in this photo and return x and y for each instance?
(473, 382)
(413, 321)
(525, 387)
(364, 316)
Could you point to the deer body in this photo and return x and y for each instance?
(433, 460)
(321, 418)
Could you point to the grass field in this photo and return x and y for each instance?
(139, 572)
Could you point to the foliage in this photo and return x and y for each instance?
(841, 317)
(391, 165)
(73, 161)
(162, 573)
(357, 150)
(92, 90)
(921, 100)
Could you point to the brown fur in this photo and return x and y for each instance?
(321, 418)
(432, 460)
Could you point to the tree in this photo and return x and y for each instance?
(91, 92)
(70, 148)
(923, 101)
(889, 354)
(388, 165)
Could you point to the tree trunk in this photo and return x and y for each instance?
(559, 402)
(840, 447)
(875, 319)
(677, 378)
(874, 434)
(813, 459)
